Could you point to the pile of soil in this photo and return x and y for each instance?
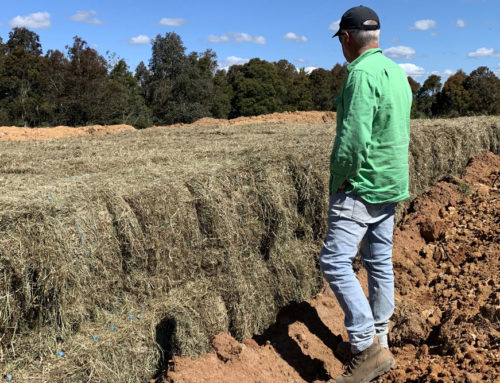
(446, 326)
(13, 133)
(285, 117)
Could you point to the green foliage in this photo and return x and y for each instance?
(321, 93)
(84, 98)
(126, 103)
(257, 88)
(223, 94)
(427, 95)
(483, 87)
(179, 87)
(300, 94)
(454, 100)
(338, 75)
(81, 87)
(464, 189)
(20, 74)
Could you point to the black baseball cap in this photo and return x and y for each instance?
(355, 17)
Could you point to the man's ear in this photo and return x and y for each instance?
(347, 38)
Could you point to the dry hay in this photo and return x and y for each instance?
(198, 231)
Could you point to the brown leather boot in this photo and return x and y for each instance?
(343, 352)
(367, 365)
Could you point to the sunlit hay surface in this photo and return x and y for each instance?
(120, 251)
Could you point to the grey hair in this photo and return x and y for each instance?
(364, 38)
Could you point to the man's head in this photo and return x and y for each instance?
(359, 30)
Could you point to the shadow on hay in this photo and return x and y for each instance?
(164, 336)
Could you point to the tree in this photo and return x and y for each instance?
(20, 73)
(257, 88)
(454, 99)
(223, 94)
(321, 89)
(53, 69)
(427, 95)
(4, 111)
(287, 73)
(142, 74)
(483, 87)
(415, 87)
(84, 99)
(337, 78)
(125, 102)
(23, 38)
(180, 88)
(300, 94)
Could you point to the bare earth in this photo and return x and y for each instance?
(446, 327)
(12, 133)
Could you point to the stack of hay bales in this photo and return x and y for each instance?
(117, 252)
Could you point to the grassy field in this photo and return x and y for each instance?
(118, 251)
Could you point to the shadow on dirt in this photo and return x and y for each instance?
(277, 335)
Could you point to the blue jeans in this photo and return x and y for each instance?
(352, 222)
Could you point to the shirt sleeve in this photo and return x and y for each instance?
(352, 141)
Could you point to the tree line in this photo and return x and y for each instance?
(80, 87)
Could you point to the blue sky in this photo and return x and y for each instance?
(423, 36)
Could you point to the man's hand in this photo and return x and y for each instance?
(342, 187)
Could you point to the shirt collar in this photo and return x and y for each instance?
(362, 56)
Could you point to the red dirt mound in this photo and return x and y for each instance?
(446, 326)
(285, 117)
(13, 133)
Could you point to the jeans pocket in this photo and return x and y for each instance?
(341, 205)
(362, 211)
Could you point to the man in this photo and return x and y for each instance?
(369, 175)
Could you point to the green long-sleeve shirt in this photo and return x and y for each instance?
(373, 130)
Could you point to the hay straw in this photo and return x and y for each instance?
(210, 228)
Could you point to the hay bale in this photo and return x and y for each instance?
(212, 228)
(443, 147)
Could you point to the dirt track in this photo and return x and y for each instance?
(446, 323)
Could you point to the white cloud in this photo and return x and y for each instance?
(400, 52)
(38, 20)
(140, 40)
(460, 23)
(413, 70)
(444, 74)
(86, 17)
(172, 22)
(290, 36)
(232, 60)
(309, 69)
(334, 26)
(301, 61)
(448, 72)
(484, 52)
(423, 25)
(394, 40)
(237, 38)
